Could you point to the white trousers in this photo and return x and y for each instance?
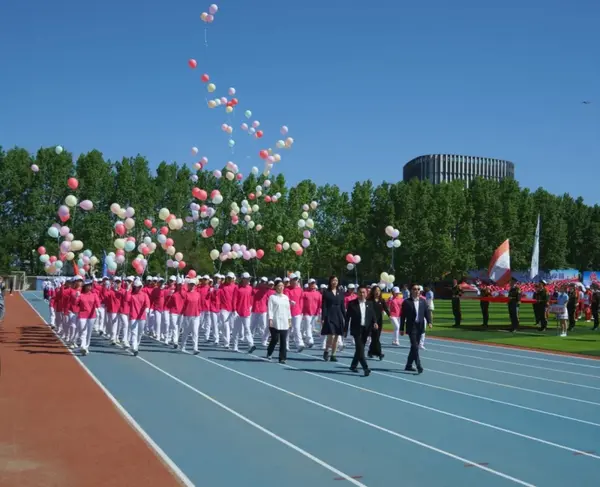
(124, 328)
(112, 325)
(59, 321)
(296, 332)
(226, 319)
(309, 326)
(137, 330)
(166, 325)
(173, 332)
(422, 340)
(241, 328)
(72, 328)
(52, 316)
(99, 326)
(258, 324)
(157, 323)
(191, 326)
(86, 326)
(396, 322)
(211, 324)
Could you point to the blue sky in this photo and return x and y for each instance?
(363, 86)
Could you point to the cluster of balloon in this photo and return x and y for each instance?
(209, 17)
(393, 234)
(172, 223)
(236, 251)
(306, 225)
(386, 280)
(352, 261)
(86, 261)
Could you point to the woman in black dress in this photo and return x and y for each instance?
(380, 307)
(333, 315)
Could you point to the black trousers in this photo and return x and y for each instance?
(456, 311)
(571, 312)
(375, 347)
(359, 350)
(413, 355)
(281, 337)
(595, 315)
(485, 311)
(540, 315)
(513, 314)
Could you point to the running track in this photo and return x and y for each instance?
(479, 415)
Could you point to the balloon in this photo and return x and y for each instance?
(205, 78)
(284, 130)
(396, 233)
(211, 87)
(313, 205)
(214, 222)
(349, 258)
(350, 267)
(305, 243)
(231, 143)
(299, 252)
(178, 256)
(259, 134)
(71, 201)
(129, 212)
(53, 232)
(214, 254)
(148, 223)
(164, 230)
(286, 246)
(389, 230)
(256, 124)
(278, 247)
(192, 63)
(163, 214)
(383, 277)
(86, 205)
(210, 18)
(129, 246)
(119, 243)
(248, 113)
(397, 243)
(260, 253)
(213, 9)
(389, 244)
(280, 144)
(301, 223)
(76, 245)
(357, 259)
(263, 154)
(35, 168)
(58, 149)
(73, 183)
(129, 223)
(115, 208)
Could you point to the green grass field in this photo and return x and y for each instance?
(581, 340)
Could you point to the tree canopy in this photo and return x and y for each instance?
(445, 229)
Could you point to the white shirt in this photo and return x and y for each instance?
(278, 310)
(363, 311)
(417, 302)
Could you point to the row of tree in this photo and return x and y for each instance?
(445, 229)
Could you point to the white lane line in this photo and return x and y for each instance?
(256, 425)
(182, 477)
(503, 372)
(475, 396)
(367, 423)
(516, 363)
(516, 355)
(525, 350)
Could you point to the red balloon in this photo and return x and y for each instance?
(239, 176)
(210, 231)
(267, 199)
(278, 248)
(350, 258)
(170, 217)
(148, 223)
(214, 193)
(145, 250)
(73, 183)
(299, 252)
(153, 230)
(263, 154)
(164, 230)
(205, 78)
(169, 242)
(182, 264)
(120, 229)
(53, 259)
(192, 63)
(259, 134)
(234, 101)
(41, 250)
(251, 196)
(64, 218)
(199, 194)
(260, 253)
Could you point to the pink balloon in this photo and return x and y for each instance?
(210, 231)
(350, 258)
(63, 210)
(209, 18)
(41, 250)
(164, 230)
(120, 252)
(182, 264)
(64, 218)
(260, 253)
(244, 126)
(214, 193)
(148, 223)
(239, 176)
(191, 274)
(278, 247)
(73, 183)
(86, 205)
(356, 259)
(120, 229)
(213, 9)
(35, 168)
(306, 233)
(53, 259)
(64, 231)
(299, 252)
(169, 242)
(204, 161)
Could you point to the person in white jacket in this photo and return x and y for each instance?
(279, 316)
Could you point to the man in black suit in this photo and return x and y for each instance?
(415, 314)
(360, 320)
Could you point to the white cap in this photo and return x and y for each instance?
(206, 276)
(245, 275)
(193, 281)
(160, 278)
(130, 278)
(351, 286)
(263, 279)
(312, 281)
(155, 279)
(286, 279)
(271, 282)
(117, 279)
(305, 285)
(149, 278)
(323, 286)
(179, 280)
(172, 278)
(137, 282)
(293, 276)
(395, 289)
(231, 275)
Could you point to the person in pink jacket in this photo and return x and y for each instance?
(139, 306)
(157, 304)
(225, 293)
(294, 293)
(395, 307)
(213, 309)
(191, 315)
(203, 289)
(88, 304)
(174, 304)
(124, 292)
(112, 306)
(260, 297)
(311, 311)
(242, 305)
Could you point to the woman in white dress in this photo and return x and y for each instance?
(280, 321)
(562, 316)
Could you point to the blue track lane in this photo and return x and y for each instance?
(528, 417)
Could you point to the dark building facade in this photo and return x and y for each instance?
(441, 168)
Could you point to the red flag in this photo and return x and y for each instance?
(75, 269)
(499, 270)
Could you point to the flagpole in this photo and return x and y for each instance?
(534, 270)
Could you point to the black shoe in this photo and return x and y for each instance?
(196, 352)
(326, 355)
(370, 355)
(175, 346)
(419, 370)
(300, 350)
(252, 348)
(282, 362)
(310, 345)
(381, 357)
(410, 369)
(333, 358)
(135, 353)
(268, 357)
(367, 372)
(353, 369)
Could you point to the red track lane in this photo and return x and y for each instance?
(57, 428)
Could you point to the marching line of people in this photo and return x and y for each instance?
(218, 310)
